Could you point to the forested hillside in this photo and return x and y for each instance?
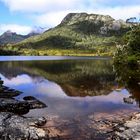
(77, 34)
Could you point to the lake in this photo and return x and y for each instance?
(77, 90)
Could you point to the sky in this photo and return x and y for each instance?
(22, 16)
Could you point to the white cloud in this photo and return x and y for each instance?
(121, 12)
(50, 89)
(16, 81)
(49, 13)
(40, 5)
(113, 3)
(19, 29)
(51, 19)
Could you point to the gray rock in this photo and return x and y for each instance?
(106, 25)
(130, 130)
(14, 127)
(15, 106)
(36, 104)
(72, 18)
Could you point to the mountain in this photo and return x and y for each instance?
(95, 24)
(78, 33)
(11, 37)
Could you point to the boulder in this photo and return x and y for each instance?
(19, 107)
(14, 127)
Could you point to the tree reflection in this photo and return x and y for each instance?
(128, 75)
(76, 77)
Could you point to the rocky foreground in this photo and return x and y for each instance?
(129, 129)
(13, 126)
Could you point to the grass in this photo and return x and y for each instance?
(97, 51)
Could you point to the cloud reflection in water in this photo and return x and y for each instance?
(60, 103)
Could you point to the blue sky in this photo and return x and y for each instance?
(22, 16)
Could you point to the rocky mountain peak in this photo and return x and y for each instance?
(73, 18)
(13, 37)
(8, 33)
(94, 23)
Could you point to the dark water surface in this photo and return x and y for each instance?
(75, 89)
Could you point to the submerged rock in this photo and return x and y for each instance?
(1, 82)
(6, 92)
(14, 127)
(27, 98)
(129, 100)
(36, 104)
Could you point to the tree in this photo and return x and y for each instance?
(129, 52)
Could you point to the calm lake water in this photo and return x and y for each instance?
(75, 89)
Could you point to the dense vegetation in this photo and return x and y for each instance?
(8, 52)
(63, 40)
(129, 52)
(127, 59)
(78, 34)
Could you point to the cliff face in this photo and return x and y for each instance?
(72, 18)
(99, 24)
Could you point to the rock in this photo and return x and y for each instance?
(14, 106)
(129, 100)
(103, 25)
(6, 92)
(34, 103)
(14, 127)
(130, 130)
(1, 82)
(29, 98)
(73, 18)
(19, 107)
(41, 121)
(8, 104)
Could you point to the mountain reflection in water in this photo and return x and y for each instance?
(77, 92)
(68, 87)
(76, 77)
